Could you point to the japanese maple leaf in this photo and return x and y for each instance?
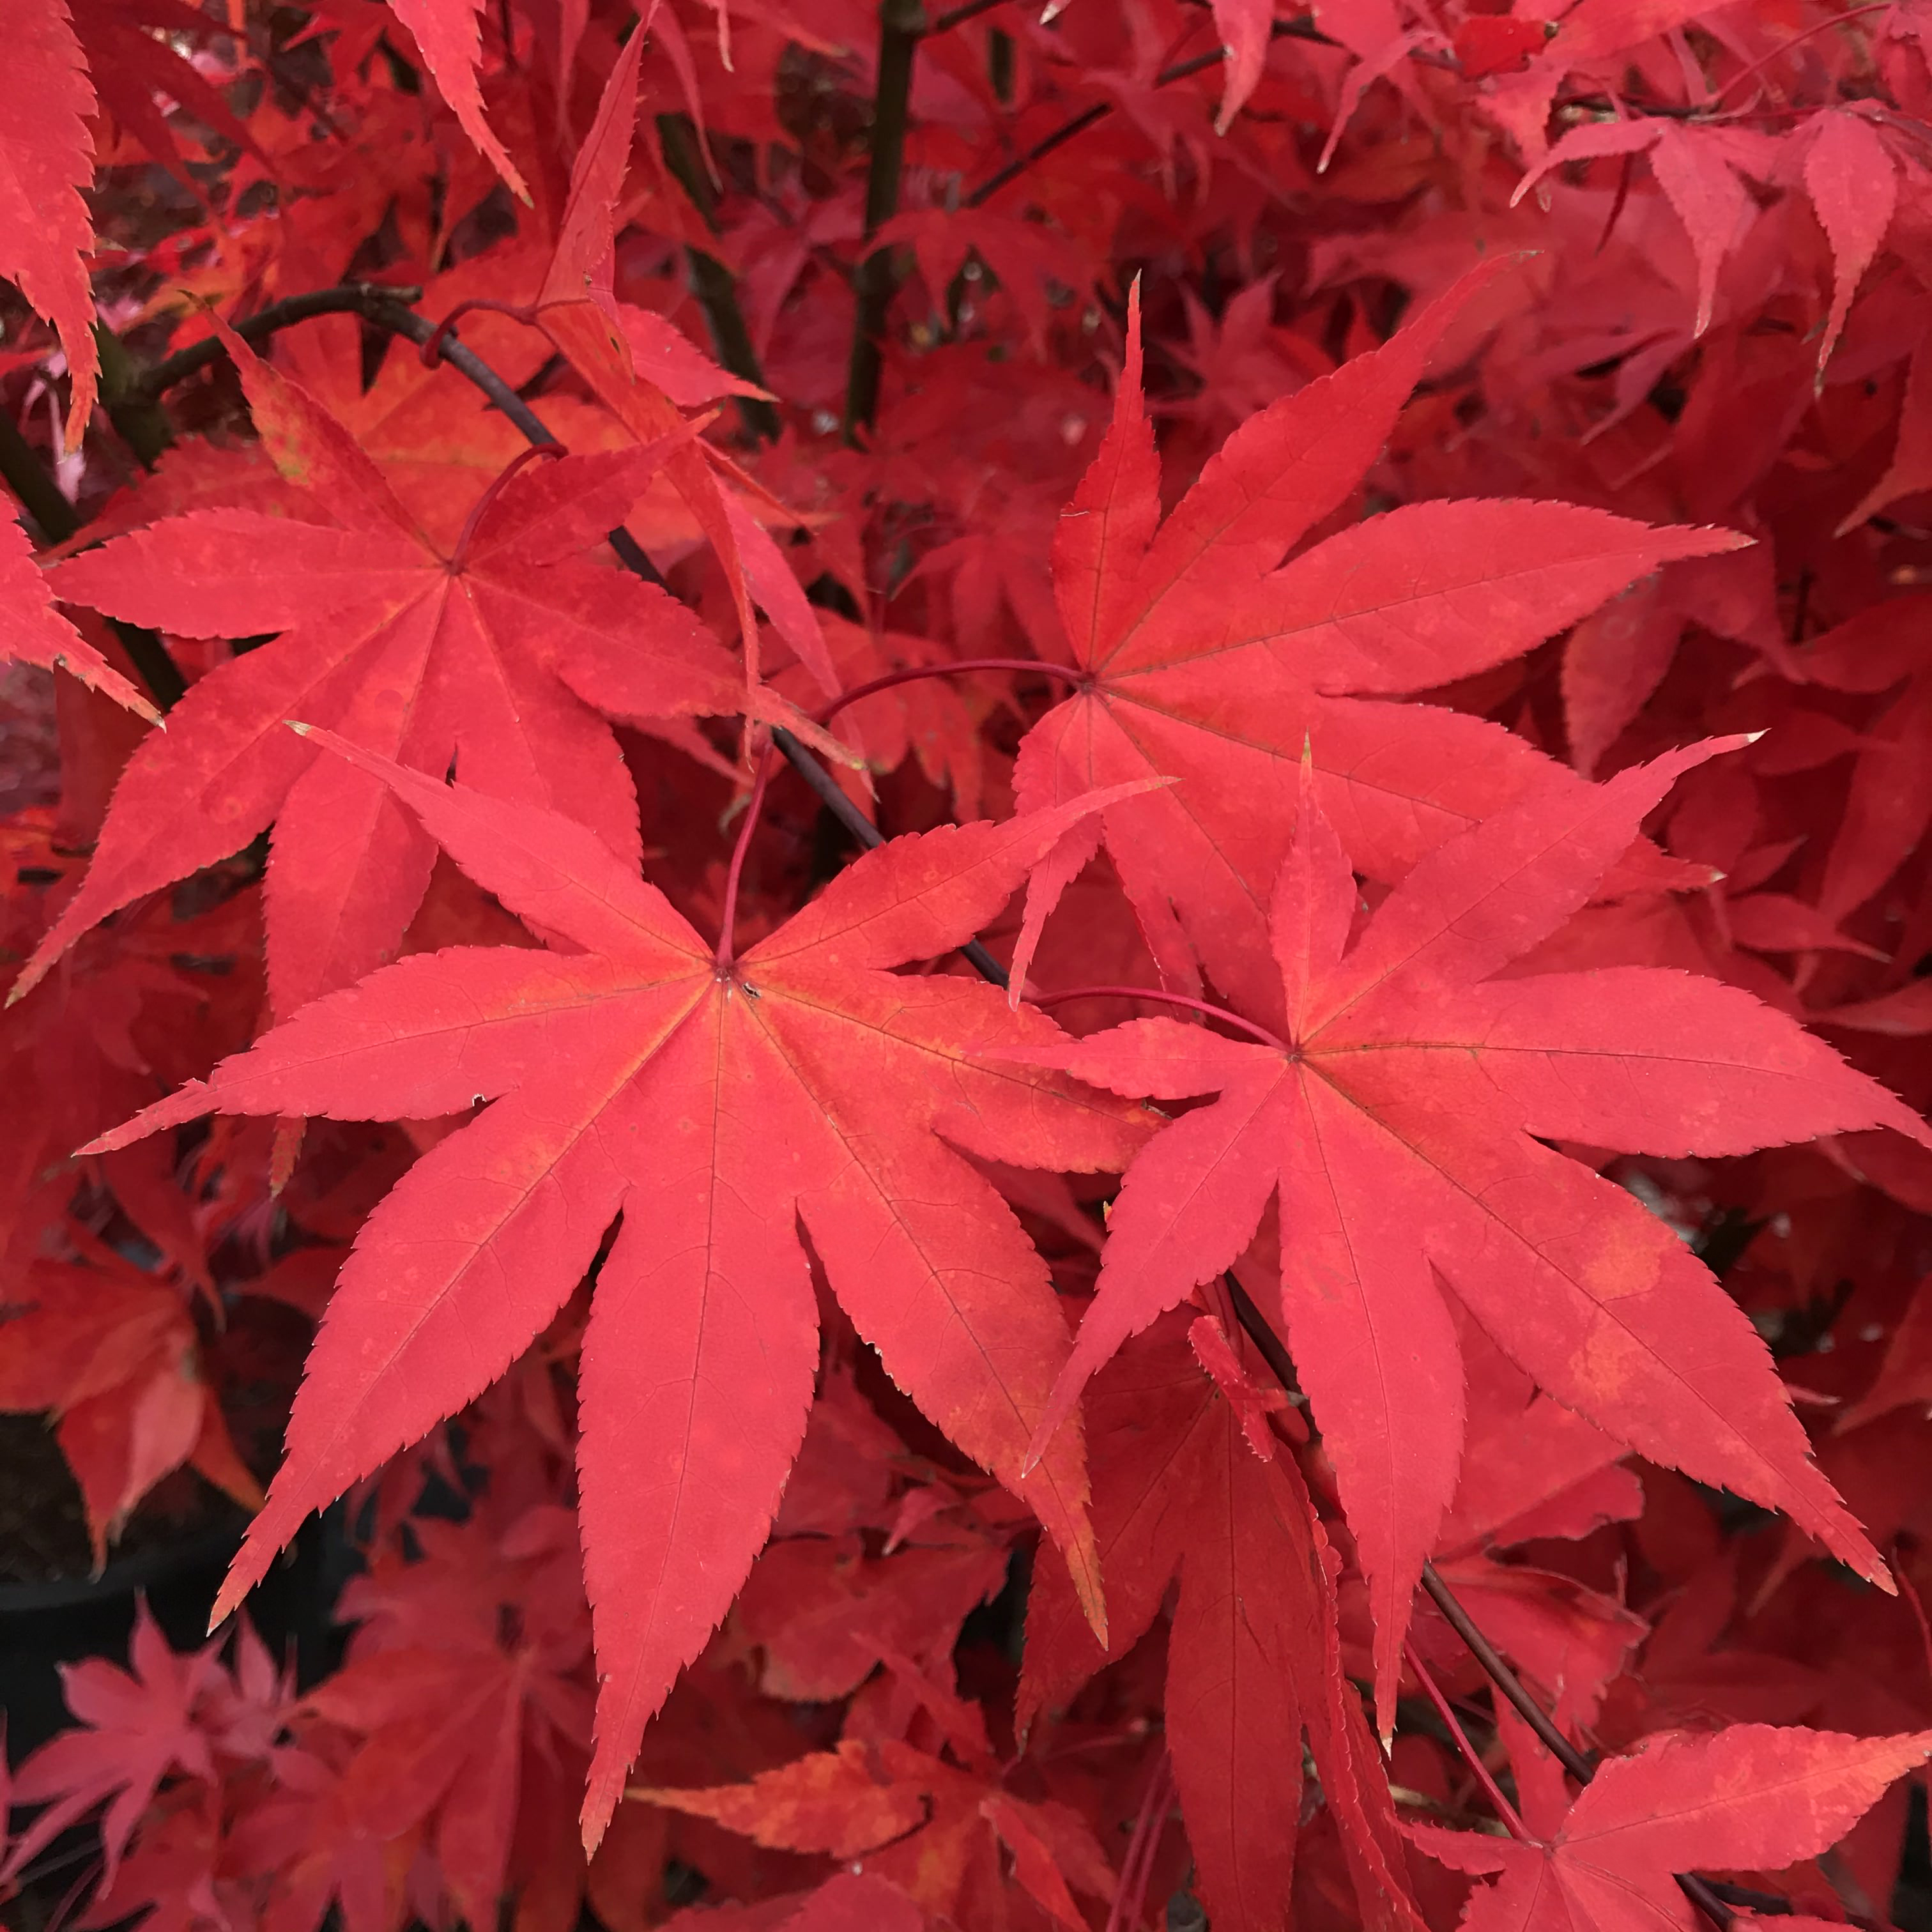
(448, 34)
(463, 1678)
(1853, 188)
(32, 631)
(1181, 1486)
(1698, 170)
(1402, 1117)
(491, 653)
(716, 1101)
(1200, 661)
(934, 1830)
(631, 358)
(112, 1352)
(1752, 1796)
(45, 159)
(135, 1726)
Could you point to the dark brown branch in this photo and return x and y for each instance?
(714, 284)
(957, 16)
(834, 799)
(362, 299)
(902, 26)
(1298, 30)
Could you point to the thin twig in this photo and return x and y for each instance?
(902, 26)
(714, 284)
(826, 787)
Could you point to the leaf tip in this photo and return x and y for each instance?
(301, 729)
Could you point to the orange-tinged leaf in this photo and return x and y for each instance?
(830, 1801)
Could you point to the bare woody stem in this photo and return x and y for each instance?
(902, 26)
(369, 300)
(1300, 30)
(714, 284)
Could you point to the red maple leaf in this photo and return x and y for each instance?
(1753, 1796)
(715, 1101)
(32, 631)
(136, 1726)
(1187, 1479)
(1401, 1118)
(46, 158)
(497, 651)
(1201, 660)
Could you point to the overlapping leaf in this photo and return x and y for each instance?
(32, 631)
(714, 1103)
(1752, 1796)
(497, 654)
(1180, 1486)
(1206, 663)
(1403, 1120)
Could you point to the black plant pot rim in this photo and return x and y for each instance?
(159, 1565)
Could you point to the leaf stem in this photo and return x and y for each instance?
(902, 26)
(1137, 1868)
(492, 490)
(1192, 1005)
(753, 808)
(911, 673)
(1512, 1822)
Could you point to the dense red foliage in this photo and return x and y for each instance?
(1392, 528)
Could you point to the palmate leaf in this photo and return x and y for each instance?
(501, 649)
(1208, 664)
(715, 1104)
(1401, 1121)
(1754, 1796)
